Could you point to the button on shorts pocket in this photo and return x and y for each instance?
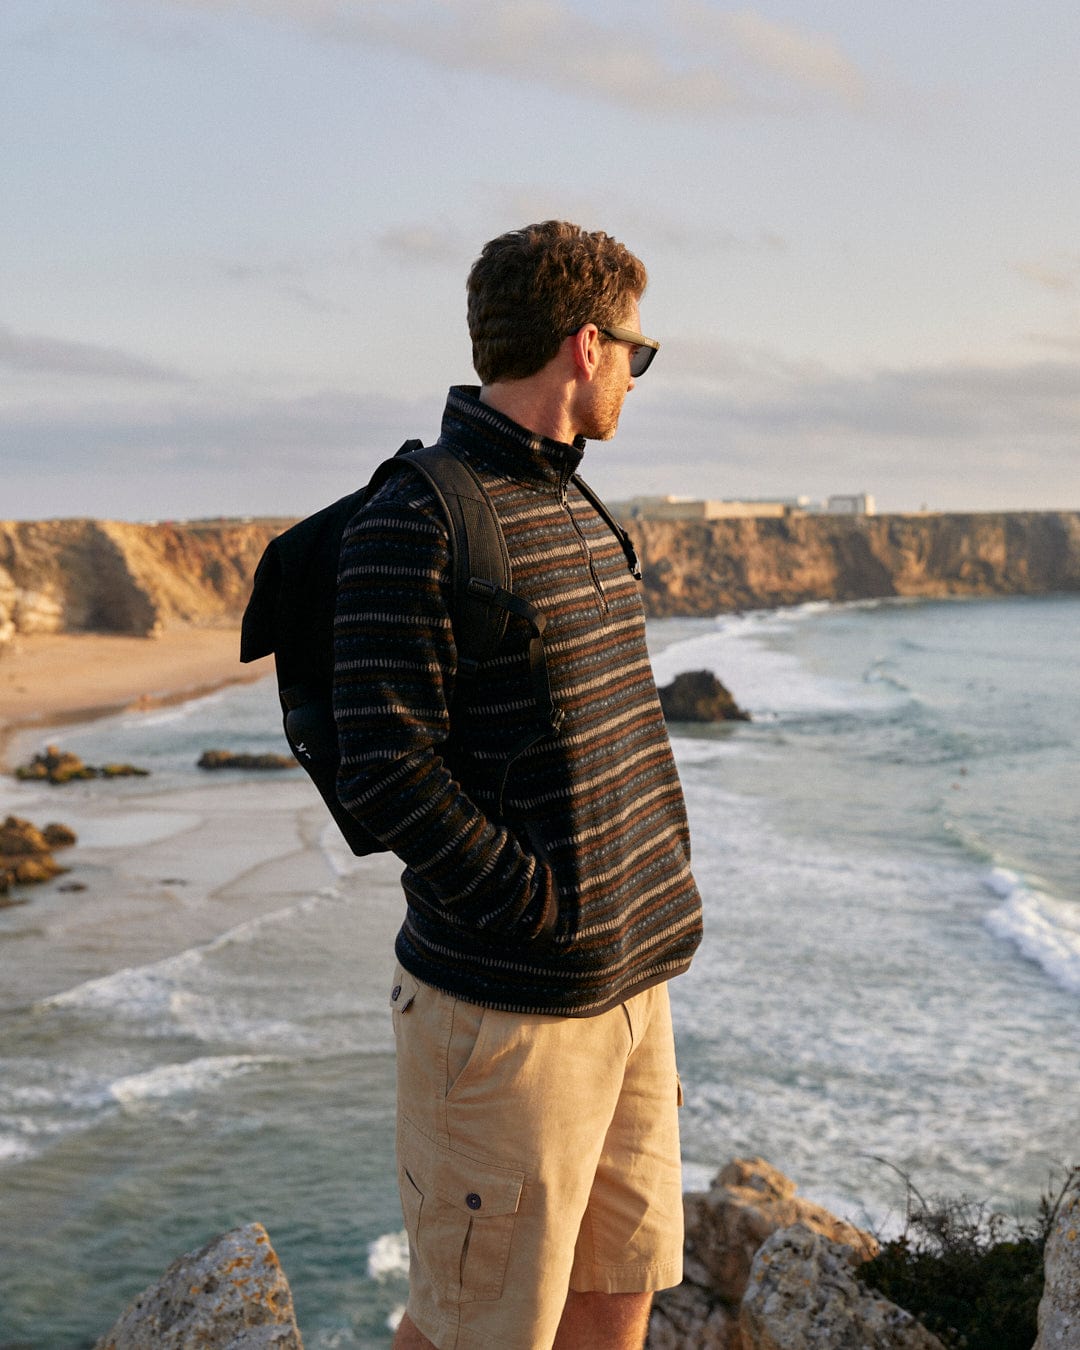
(402, 993)
(459, 1214)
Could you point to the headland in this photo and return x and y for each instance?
(100, 615)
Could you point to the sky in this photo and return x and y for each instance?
(234, 236)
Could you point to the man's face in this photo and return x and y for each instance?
(600, 418)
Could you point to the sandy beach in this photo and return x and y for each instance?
(46, 679)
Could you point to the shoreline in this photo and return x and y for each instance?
(52, 679)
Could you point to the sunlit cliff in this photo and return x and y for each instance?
(102, 576)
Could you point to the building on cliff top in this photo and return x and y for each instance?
(692, 508)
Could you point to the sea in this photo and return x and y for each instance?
(193, 1020)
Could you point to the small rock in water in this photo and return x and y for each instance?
(26, 852)
(698, 696)
(229, 759)
(20, 839)
(61, 766)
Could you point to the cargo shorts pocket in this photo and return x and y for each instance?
(459, 1215)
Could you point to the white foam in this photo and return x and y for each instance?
(171, 1080)
(765, 681)
(1045, 929)
(706, 749)
(697, 1176)
(143, 991)
(388, 1256)
(252, 929)
(136, 992)
(343, 862)
(13, 1148)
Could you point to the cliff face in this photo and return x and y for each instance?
(705, 568)
(103, 576)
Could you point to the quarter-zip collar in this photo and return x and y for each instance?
(502, 446)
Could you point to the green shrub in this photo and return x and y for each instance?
(971, 1275)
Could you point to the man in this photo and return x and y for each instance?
(547, 862)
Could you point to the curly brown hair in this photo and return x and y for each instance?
(531, 288)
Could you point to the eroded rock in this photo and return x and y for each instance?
(698, 696)
(26, 852)
(725, 1226)
(61, 766)
(20, 839)
(803, 1295)
(1059, 1309)
(746, 1203)
(229, 759)
(229, 1295)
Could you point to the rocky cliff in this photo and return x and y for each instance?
(108, 577)
(709, 567)
(91, 576)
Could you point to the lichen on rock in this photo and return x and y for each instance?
(230, 1294)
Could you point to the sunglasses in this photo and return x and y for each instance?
(644, 348)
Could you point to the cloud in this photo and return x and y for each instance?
(805, 58)
(207, 452)
(645, 227)
(327, 431)
(733, 422)
(1065, 342)
(692, 61)
(774, 393)
(956, 437)
(283, 279)
(1061, 275)
(33, 353)
(424, 244)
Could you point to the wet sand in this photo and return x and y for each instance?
(47, 679)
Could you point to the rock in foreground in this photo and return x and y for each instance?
(1059, 1310)
(726, 1225)
(803, 1295)
(229, 1295)
(698, 696)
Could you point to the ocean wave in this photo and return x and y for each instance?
(205, 993)
(38, 1117)
(1045, 929)
(880, 672)
(252, 929)
(388, 1256)
(764, 680)
(14, 1149)
(137, 992)
(195, 1075)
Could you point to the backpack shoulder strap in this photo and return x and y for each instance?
(613, 525)
(483, 598)
(480, 563)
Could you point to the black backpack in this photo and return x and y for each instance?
(294, 595)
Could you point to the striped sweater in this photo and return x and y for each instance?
(558, 881)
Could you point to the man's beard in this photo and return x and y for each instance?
(602, 419)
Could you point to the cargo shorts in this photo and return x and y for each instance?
(536, 1154)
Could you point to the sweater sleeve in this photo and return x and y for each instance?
(395, 664)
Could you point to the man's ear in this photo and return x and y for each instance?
(585, 348)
